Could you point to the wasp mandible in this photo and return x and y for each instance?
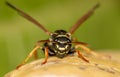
(60, 42)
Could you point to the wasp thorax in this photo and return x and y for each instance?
(61, 42)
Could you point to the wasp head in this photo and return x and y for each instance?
(61, 42)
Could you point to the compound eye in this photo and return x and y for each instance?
(53, 35)
(68, 34)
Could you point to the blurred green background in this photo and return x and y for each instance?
(18, 36)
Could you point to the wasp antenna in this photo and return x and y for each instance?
(28, 17)
(83, 18)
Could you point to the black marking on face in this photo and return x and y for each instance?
(61, 42)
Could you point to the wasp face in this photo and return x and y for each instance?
(61, 43)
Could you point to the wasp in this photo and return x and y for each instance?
(60, 42)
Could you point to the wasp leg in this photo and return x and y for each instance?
(88, 50)
(81, 56)
(29, 56)
(84, 47)
(46, 55)
(33, 52)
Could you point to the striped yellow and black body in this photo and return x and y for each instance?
(60, 42)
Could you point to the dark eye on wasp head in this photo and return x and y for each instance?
(68, 34)
(62, 40)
